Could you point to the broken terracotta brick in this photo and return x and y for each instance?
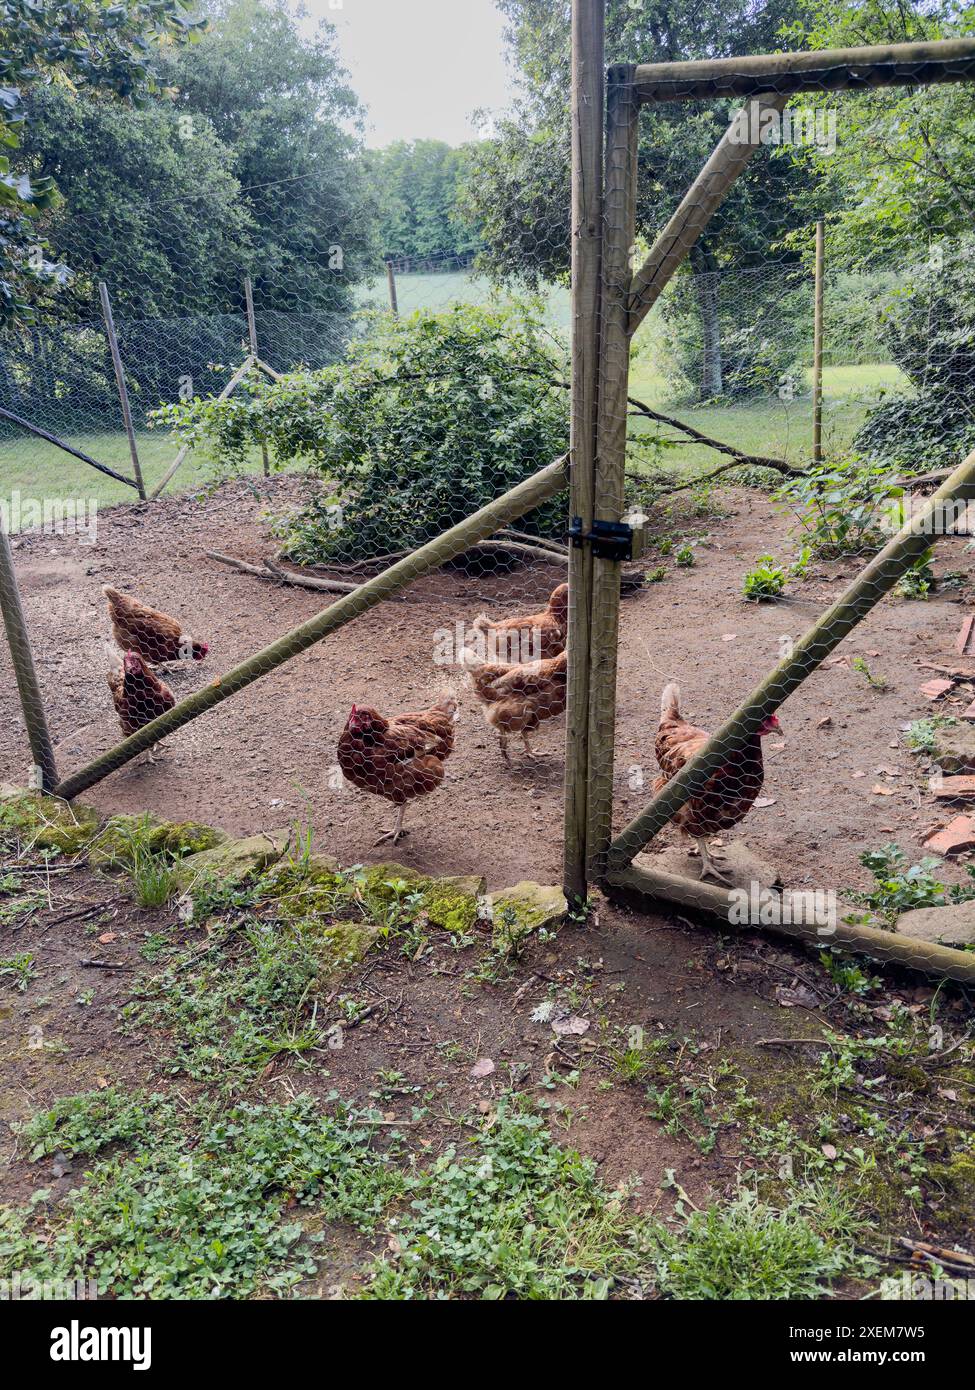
(933, 690)
(948, 788)
(957, 836)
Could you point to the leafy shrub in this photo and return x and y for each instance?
(899, 887)
(840, 505)
(929, 331)
(765, 582)
(425, 420)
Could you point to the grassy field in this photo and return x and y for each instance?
(768, 426)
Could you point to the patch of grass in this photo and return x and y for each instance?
(154, 879)
(515, 1216)
(251, 992)
(18, 970)
(196, 1204)
(748, 1250)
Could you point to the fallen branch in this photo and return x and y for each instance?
(960, 1259)
(757, 460)
(543, 541)
(274, 573)
(308, 581)
(537, 552)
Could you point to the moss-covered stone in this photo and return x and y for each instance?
(46, 822)
(527, 907)
(953, 748)
(956, 1180)
(116, 838)
(450, 903)
(235, 860)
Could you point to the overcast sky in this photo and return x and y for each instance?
(421, 66)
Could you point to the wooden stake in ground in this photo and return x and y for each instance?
(391, 285)
(252, 335)
(619, 220)
(588, 25)
(817, 385)
(45, 769)
(122, 388)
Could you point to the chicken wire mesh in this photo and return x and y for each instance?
(252, 390)
(409, 424)
(722, 305)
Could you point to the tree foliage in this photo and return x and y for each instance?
(426, 419)
(903, 169)
(280, 101)
(106, 49)
(929, 331)
(416, 186)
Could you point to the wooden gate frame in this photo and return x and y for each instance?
(610, 301)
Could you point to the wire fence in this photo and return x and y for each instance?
(887, 352)
(426, 410)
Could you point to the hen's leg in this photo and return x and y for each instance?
(709, 869)
(396, 831)
(529, 750)
(504, 748)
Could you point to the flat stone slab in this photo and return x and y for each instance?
(237, 859)
(526, 907)
(742, 866)
(954, 748)
(951, 926)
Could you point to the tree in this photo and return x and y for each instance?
(517, 187)
(416, 186)
(902, 174)
(164, 224)
(281, 102)
(108, 49)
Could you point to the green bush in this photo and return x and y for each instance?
(426, 419)
(765, 582)
(929, 331)
(842, 505)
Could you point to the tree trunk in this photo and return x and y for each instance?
(706, 290)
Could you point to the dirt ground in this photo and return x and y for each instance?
(263, 759)
(746, 1003)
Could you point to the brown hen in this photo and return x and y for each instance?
(399, 758)
(729, 793)
(543, 633)
(139, 695)
(518, 697)
(155, 636)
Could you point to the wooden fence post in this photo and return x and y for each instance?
(619, 230)
(588, 25)
(391, 285)
(46, 772)
(122, 388)
(817, 383)
(252, 335)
